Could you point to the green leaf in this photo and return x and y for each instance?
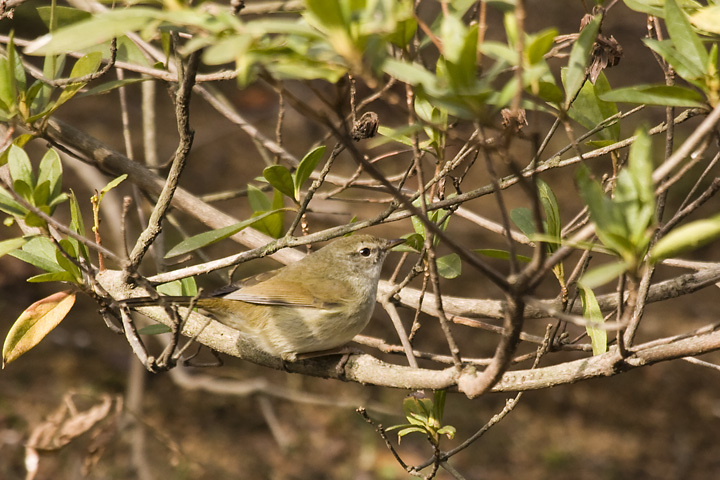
(550, 93)
(328, 14)
(40, 252)
(602, 274)
(110, 185)
(683, 35)
(500, 254)
(411, 73)
(400, 135)
(35, 323)
(439, 404)
(449, 266)
(53, 277)
(418, 411)
(579, 59)
(279, 177)
(452, 35)
(686, 238)
(707, 18)
(540, 44)
(9, 205)
(258, 200)
(95, 30)
(7, 246)
(306, 167)
(20, 167)
(408, 430)
(447, 430)
(188, 287)
(77, 225)
(522, 217)
(553, 223)
(404, 33)
(611, 227)
(413, 243)
(50, 170)
(183, 287)
(665, 95)
(8, 94)
(65, 263)
(85, 65)
(41, 194)
(591, 311)
(18, 70)
(680, 63)
(590, 110)
(635, 192)
(208, 238)
(459, 54)
(173, 288)
(112, 85)
(154, 329)
(62, 16)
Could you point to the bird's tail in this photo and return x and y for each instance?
(159, 301)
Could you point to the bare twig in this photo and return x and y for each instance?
(182, 112)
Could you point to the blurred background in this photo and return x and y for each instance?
(659, 422)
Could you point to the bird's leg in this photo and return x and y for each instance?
(345, 351)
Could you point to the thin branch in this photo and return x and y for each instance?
(706, 127)
(182, 112)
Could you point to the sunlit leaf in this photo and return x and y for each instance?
(279, 177)
(40, 252)
(306, 167)
(9, 205)
(112, 184)
(20, 167)
(208, 238)
(449, 266)
(635, 192)
(682, 64)
(85, 65)
(589, 109)
(602, 274)
(7, 246)
(611, 227)
(61, 276)
(579, 59)
(35, 323)
(665, 95)
(540, 45)
(62, 16)
(686, 238)
(500, 254)
(77, 225)
(154, 329)
(591, 311)
(93, 31)
(683, 35)
(707, 18)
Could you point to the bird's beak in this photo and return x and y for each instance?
(394, 243)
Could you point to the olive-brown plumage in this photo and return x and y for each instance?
(319, 303)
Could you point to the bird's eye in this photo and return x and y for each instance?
(365, 252)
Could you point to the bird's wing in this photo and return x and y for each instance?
(278, 291)
(244, 283)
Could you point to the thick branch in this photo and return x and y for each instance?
(366, 369)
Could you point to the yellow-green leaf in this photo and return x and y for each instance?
(686, 238)
(35, 323)
(591, 311)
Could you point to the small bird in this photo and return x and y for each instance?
(316, 304)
